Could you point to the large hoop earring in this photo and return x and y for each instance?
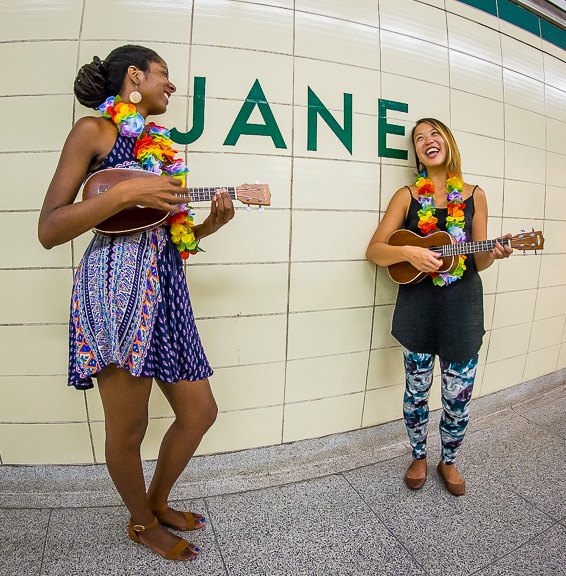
(420, 167)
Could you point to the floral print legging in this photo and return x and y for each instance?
(457, 382)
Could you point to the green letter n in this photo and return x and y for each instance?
(316, 108)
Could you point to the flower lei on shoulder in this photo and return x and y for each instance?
(454, 221)
(154, 151)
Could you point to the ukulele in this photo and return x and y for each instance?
(140, 218)
(445, 244)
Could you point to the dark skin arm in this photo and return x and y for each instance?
(221, 212)
(91, 139)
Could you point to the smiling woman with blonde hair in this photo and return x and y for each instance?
(439, 311)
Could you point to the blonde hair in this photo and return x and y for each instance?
(453, 158)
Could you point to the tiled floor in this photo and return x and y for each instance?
(335, 505)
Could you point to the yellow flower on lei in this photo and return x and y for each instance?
(454, 182)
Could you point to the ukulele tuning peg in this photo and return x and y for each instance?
(249, 208)
(261, 209)
(257, 182)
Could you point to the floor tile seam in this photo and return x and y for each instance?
(299, 481)
(507, 554)
(551, 394)
(44, 547)
(541, 426)
(553, 523)
(532, 504)
(537, 424)
(215, 535)
(384, 524)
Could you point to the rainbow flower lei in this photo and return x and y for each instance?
(154, 150)
(454, 221)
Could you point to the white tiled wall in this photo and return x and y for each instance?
(294, 320)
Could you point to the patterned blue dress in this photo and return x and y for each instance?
(130, 304)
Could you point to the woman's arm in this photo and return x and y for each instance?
(221, 212)
(62, 219)
(484, 260)
(381, 253)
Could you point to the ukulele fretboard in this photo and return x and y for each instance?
(206, 194)
(471, 247)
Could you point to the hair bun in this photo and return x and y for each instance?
(90, 82)
(99, 64)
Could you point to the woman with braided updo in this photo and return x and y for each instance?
(131, 317)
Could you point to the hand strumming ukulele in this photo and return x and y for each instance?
(445, 244)
(139, 218)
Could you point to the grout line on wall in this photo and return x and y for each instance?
(337, 63)
(37, 95)
(379, 207)
(28, 151)
(37, 40)
(21, 211)
(332, 396)
(38, 268)
(272, 263)
(136, 40)
(188, 100)
(290, 244)
(89, 421)
(544, 220)
(74, 108)
(243, 49)
(375, 284)
(286, 156)
(33, 375)
(45, 422)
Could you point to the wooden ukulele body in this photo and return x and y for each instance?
(406, 273)
(140, 218)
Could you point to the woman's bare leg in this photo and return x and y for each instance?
(125, 400)
(195, 411)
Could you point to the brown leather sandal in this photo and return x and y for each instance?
(192, 522)
(173, 554)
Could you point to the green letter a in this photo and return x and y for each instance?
(256, 97)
